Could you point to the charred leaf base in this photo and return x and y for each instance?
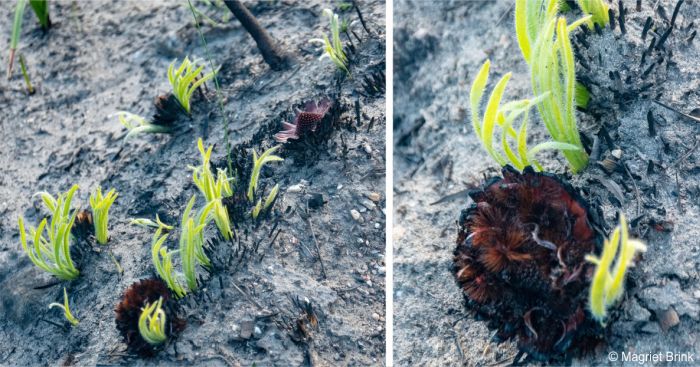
(129, 310)
(520, 263)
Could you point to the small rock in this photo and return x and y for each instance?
(617, 153)
(295, 188)
(374, 196)
(339, 187)
(368, 204)
(375, 316)
(356, 216)
(360, 240)
(651, 328)
(316, 201)
(696, 294)
(257, 332)
(669, 319)
(367, 147)
(247, 328)
(637, 312)
(381, 270)
(377, 225)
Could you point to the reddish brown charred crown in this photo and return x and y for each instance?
(305, 121)
(129, 310)
(520, 261)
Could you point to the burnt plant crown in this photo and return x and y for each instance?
(136, 124)
(607, 287)
(520, 262)
(52, 254)
(100, 205)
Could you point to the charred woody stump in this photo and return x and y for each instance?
(143, 292)
(520, 262)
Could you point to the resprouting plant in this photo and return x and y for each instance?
(552, 70)
(260, 207)
(185, 80)
(139, 125)
(163, 262)
(145, 222)
(504, 117)
(258, 163)
(100, 205)
(192, 241)
(333, 47)
(152, 323)
(607, 286)
(598, 9)
(213, 189)
(53, 254)
(41, 10)
(66, 309)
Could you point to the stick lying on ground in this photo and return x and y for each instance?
(272, 55)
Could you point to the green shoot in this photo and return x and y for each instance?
(258, 163)
(145, 222)
(606, 287)
(192, 241)
(185, 80)
(260, 207)
(152, 323)
(551, 61)
(271, 197)
(66, 309)
(213, 189)
(25, 74)
(53, 254)
(333, 48)
(16, 30)
(100, 208)
(503, 117)
(163, 262)
(139, 125)
(598, 9)
(41, 10)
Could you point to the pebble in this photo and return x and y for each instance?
(669, 319)
(367, 147)
(295, 188)
(696, 294)
(377, 225)
(360, 240)
(374, 196)
(340, 186)
(375, 316)
(617, 153)
(356, 216)
(368, 204)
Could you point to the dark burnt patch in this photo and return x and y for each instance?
(520, 263)
(128, 312)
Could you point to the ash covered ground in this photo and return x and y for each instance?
(101, 57)
(649, 173)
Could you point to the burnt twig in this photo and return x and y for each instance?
(270, 53)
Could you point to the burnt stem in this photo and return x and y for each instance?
(270, 53)
(359, 14)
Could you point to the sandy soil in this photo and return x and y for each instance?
(438, 50)
(102, 57)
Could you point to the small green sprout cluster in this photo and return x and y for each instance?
(598, 10)
(504, 117)
(100, 209)
(41, 10)
(136, 124)
(185, 80)
(163, 262)
(152, 323)
(192, 241)
(607, 287)
(544, 41)
(66, 309)
(53, 254)
(258, 163)
(213, 189)
(333, 47)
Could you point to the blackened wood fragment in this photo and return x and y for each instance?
(651, 122)
(622, 17)
(647, 25)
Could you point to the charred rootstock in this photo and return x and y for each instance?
(520, 263)
(272, 55)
